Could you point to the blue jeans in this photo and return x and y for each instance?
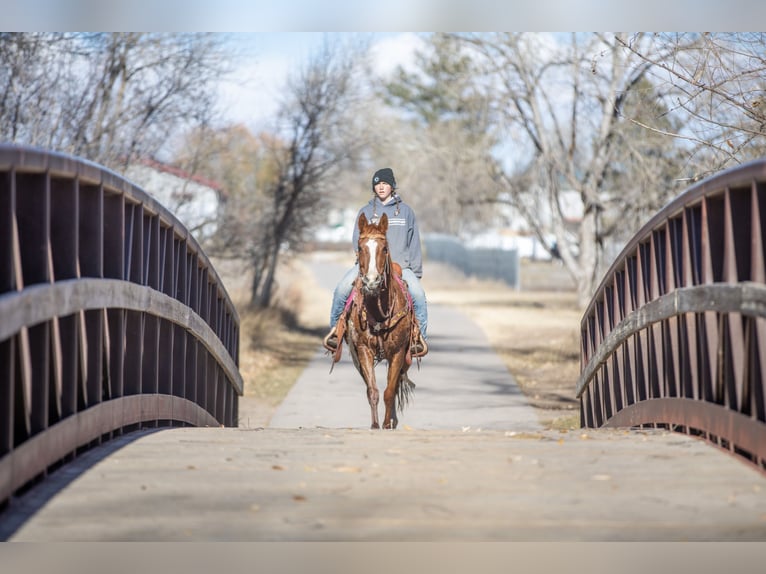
(346, 284)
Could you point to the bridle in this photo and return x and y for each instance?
(389, 319)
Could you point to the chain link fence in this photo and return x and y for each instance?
(481, 262)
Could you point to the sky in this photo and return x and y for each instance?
(279, 34)
(392, 15)
(251, 95)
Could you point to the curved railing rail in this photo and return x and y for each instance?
(111, 316)
(675, 336)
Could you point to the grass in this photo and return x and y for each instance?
(275, 352)
(276, 343)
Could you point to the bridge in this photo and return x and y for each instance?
(121, 394)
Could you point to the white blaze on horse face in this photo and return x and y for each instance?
(373, 275)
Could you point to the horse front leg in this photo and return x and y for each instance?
(389, 395)
(367, 370)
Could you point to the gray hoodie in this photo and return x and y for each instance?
(403, 235)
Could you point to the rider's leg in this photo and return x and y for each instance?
(341, 293)
(418, 299)
(421, 309)
(339, 297)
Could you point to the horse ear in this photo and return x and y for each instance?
(383, 223)
(362, 222)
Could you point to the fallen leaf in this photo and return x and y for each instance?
(277, 467)
(348, 469)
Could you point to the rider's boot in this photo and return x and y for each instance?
(330, 342)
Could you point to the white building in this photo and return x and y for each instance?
(192, 199)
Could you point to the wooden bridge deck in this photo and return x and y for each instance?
(350, 484)
(468, 462)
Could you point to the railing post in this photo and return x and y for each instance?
(687, 347)
(111, 315)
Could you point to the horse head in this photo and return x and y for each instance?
(373, 253)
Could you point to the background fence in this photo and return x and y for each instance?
(485, 263)
(111, 316)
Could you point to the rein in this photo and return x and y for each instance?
(389, 320)
(381, 317)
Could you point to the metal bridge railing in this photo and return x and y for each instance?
(675, 336)
(111, 316)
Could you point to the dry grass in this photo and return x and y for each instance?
(276, 344)
(534, 330)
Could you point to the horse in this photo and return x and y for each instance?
(378, 323)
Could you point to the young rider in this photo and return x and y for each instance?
(404, 245)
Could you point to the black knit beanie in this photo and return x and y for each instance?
(385, 174)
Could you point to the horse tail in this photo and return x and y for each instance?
(405, 390)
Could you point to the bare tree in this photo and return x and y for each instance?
(108, 97)
(715, 84)
(441, 144)
(317, 135)
(592, 133)
(562, 105)
(243, 165)
(440, 172)
(28, 74)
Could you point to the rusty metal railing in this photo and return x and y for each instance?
(111, 316)
(675, 336)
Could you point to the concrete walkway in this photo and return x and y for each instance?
(468, 463)
(461, 383)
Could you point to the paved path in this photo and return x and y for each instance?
(460, 383)
(468, 462)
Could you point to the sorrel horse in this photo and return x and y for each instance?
(378, 322)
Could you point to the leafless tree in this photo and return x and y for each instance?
(441, 140)
(319, 121)
(440, 171)
(715, 83)
(562, 104)
(108, 97)
(28, 73)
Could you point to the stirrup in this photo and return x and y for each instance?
(419, 347)
(330, 342)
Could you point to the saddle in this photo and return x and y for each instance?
(340, 328)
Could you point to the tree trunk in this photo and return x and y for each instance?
(262, 298)
(588, 258)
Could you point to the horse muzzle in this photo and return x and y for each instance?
(371, 284)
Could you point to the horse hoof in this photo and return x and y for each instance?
(374, 426)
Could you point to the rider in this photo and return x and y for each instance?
(404, 245)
